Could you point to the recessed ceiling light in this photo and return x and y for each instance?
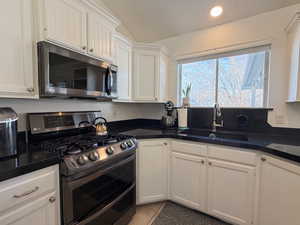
(216, 11)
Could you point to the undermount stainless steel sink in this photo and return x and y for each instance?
(215, 135)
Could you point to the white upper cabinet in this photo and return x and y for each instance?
(17, 49)
(279, 192)
(64, 22)
(150, 73)
(78, 24)
(293, 32)
(100, 37)
(123, 52)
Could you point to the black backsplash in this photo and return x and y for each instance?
(237, 119)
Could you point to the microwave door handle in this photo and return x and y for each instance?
(108, 81)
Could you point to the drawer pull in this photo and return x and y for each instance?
(26, 193)
(52, 199)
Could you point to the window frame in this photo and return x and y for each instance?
(266, 48)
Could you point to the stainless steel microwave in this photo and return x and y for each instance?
(65, 73)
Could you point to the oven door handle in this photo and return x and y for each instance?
(95, 215)
(76, 183)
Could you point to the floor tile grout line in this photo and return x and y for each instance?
(156, 214)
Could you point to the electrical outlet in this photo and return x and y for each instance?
(280, 119)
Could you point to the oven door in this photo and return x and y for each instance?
(106, 197)
(64, 73)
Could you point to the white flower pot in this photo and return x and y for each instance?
(186, 101)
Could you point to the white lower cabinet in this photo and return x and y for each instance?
(31, 199)
(188, 180)
(231, 191)
(279, 200)
(224, 182)
(152, 171)
(39, 212)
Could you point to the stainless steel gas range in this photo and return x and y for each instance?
(98, 174)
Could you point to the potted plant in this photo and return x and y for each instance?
(186, 95)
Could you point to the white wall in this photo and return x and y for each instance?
(111, 111)
(263, 28)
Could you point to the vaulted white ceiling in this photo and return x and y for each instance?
(153, 20)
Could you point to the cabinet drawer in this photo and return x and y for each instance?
(232, 154)
(189, 148)
(25, 188)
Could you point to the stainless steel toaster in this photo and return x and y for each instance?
(8, 132)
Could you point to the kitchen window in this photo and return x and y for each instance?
(234, 79)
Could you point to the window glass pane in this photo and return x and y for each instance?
(202, 76)
(241, 80)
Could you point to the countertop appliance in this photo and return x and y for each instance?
(65, 73)
(170, 116)
(8, 132)
(98, 173)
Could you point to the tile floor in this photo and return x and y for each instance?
(146, 214)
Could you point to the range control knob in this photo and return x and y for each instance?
(82, 160)
(93, 156)
(129, 143)
(110, 150)
(124, 146)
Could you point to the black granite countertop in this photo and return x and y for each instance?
(27, 161)
(284, 146)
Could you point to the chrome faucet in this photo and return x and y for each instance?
(217, 114)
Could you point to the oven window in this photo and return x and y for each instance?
(123, 208)
(73, 74)
(95, 195)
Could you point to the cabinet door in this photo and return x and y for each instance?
(163, 76)
(146, 70)
(188, 180)
(43, 211)
(17, 49)
(100, 37)
(65, 23)
(231, 191)
(279, 193)
(152, 171)
(124, 62)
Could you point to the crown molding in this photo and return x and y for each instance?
(151, 46)
(295, 19)
(123, 38)
(104, 12)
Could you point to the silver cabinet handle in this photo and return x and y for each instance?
(263, 159)
(27, 193)
(91, 50)
(30, 89)
(84, 47)
(52, 199)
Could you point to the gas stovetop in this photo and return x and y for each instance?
(72, 145)
(85, 151)
(71, 134)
